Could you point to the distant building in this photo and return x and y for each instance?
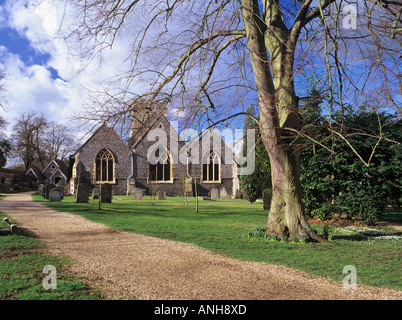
(56, 172)
(8, 176)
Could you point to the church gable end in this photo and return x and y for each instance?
(104, 158)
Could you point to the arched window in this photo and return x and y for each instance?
(211, 168)
(162, 170)
(104, 166)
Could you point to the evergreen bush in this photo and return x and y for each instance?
(339, 183)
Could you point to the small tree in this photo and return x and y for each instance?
(5, 148)
(27, 140)
(5, 145)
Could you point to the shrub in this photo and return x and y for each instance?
(335, 181)
(249, 192)
(252, 185)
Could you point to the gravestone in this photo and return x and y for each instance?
(46, 190)
(131, 186)
(237, 194)
(106, 193)
(137, 194)
(95, 193)
(40, 189)
(162, 195)
(55, 194)
(188, 185)
(223, 193)
(82, 193)
(214, 193)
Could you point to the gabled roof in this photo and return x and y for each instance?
(36, 172)
(104, 126)
(212, 134)
(58, 171)
(60, 164)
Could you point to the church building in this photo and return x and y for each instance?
(155, 160)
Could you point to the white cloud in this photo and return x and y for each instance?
(32, 88)
(46, 24)
(40, 23)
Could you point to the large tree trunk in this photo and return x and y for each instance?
(286, 216)
(278, 111)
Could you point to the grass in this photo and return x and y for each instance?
(223, 226)
(22, 260)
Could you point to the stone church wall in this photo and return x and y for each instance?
(132, 163)
(105, 137)
(180, 171)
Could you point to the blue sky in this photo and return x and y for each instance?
(43, 75)
(27, 53)
(18, 44)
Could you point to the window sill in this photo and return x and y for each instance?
(104, 182)
(158, 182)
(217, 181)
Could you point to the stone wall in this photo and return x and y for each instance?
(180, 170)
(173, 187)
(104, 137)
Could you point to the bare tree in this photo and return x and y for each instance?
(3, 123)
(5, 145)
(210, 59)
(59, 141)
(36, 141)
(27, 140)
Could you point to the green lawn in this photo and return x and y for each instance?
(22, 260)
(224, 225)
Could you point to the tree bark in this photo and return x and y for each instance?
(286, 216)
(278, 110)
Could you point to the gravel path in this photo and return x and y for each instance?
(126, 265)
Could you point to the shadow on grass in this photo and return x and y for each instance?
(369, 235)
